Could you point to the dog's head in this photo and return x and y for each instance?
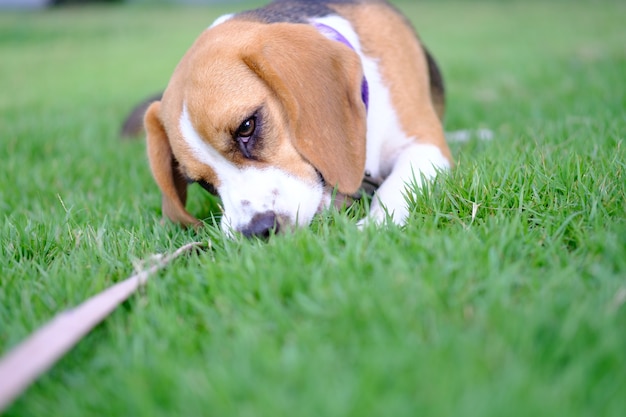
(269, 116)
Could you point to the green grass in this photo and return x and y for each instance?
(514, 309)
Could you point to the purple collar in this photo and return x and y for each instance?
(333, 34)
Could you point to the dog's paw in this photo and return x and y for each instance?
(367, 221)
(380, 216)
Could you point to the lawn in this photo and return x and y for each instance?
(504, 295)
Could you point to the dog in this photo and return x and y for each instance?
(284, 109)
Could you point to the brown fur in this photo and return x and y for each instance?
(318, 124)
(305, 131)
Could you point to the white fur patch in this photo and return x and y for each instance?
(221, 20)
(416, 162)
(246, 192)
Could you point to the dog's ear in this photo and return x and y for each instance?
(165, 169)
(319, 82)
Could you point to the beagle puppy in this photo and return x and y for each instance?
(282, 109)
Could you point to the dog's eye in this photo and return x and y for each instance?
(248, 134)
(246, 129)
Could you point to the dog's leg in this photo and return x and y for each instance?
(416, 162)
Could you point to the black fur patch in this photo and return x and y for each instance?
(293, 11)
(436, 80)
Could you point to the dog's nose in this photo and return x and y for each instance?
(262, 225)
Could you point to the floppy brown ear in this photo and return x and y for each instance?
(319, 82)
(165, 169)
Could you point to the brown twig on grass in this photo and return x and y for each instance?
(35, 355)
